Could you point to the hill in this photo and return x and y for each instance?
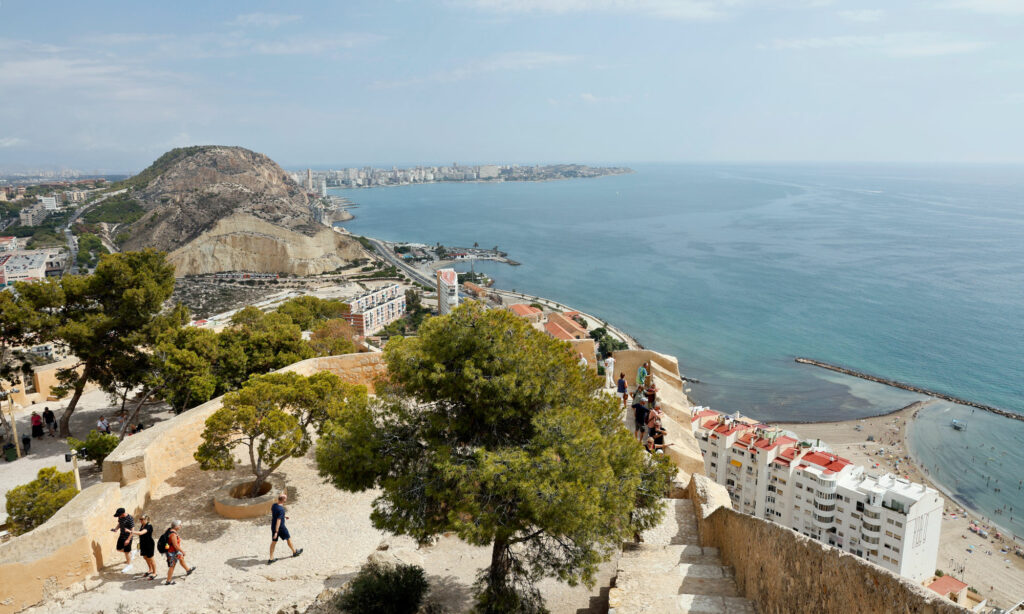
(217, 208)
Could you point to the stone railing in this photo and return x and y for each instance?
(76, 542)
(781, 570)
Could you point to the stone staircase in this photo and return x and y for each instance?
(670, 573)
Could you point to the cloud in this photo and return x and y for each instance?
(514, 61)
(11, 141)
(862, 15)
(908, 44)
(672, 9)
(589, 98)
(262, 20)
(993, 7)
(230, 45)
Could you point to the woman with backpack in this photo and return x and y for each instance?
(147, 546)
(170, 545)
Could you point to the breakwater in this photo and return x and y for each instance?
(911, 388)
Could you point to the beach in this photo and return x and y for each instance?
(996, 575)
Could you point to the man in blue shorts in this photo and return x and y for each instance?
(277, 528)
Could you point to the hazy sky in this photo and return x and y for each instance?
(112, 85)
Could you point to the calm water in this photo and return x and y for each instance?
(912, 273)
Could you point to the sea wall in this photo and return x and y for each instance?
(76, 542)
(781, 570)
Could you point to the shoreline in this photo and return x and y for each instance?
(401, 185)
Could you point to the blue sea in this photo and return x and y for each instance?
(915, 273)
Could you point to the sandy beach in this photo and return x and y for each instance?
(997, 575)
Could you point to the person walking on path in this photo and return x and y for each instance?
(175, 553)
(641, 374)
(37, 425)
(609, 371)
(51, 421)
(622, 390)
(147, 547)
(125, 524)
(278, 528)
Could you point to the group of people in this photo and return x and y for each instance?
(103, 425)
(169, 544)
(647, 412)
(48, 418)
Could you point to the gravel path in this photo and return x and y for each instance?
(333, 527)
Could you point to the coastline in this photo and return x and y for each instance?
(399, 185)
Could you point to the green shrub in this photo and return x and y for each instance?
(32, 504)
(96, 446)
(385, 589)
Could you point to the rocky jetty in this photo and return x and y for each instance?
(220, 209)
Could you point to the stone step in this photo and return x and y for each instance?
(678, 527)
(681, 604)
(645, 556)
(691, 579)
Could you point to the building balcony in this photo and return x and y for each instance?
(823, 521)
(871, 529)
(824, 498)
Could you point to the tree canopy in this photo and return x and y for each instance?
(100, 316)
(274, 417)
(308, 311)
(489, 429)
(32, 504)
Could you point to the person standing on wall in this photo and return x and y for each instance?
(278, 529)
(125, 524)
(609, 371)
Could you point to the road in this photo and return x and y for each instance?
(69, 236)
(389, 255)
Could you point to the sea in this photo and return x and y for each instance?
(910, 272)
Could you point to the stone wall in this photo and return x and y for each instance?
(781, 570)
(665, 367)
(76, 542)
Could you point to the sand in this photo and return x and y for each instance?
(999, 577)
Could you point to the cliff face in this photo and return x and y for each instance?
(230, 209)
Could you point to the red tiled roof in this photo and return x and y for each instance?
(448, 276)
(946, 585)
(523, 310)
(557, 331)
(704, 413)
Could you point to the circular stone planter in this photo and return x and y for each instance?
(231, 501)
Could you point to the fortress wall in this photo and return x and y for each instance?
(665, 367)
(76, 542)
(781, 570)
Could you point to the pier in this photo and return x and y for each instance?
(895, 384)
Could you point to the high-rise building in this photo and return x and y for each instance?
(370, 312)
(769, 473)
(447, 290)
(309, 179)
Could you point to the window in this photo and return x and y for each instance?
(890, 520)
(899, 525)
(846, 499)
(714, 455)
(714, 464)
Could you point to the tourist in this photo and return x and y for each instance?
(641, 374)
(125, 524)
(102, 425)
(655, 448)
(657, 432)
(277, 527)
(651, 389)
(622, 390)
(583, 361)
(37, 425)
(175, 553)
(147, 547)
(51, 421)
(639, 415)
(654, 417)
(609, 370)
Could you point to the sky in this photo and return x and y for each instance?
(111, 85)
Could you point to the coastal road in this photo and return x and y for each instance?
(71, 239)
(389, 255)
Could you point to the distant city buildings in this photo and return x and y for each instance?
(33, 216)
(49, 203)
(370, 177)
(372, 311)
(447, 290)
(770, 474)
(26, 266)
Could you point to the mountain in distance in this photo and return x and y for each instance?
(217, 208)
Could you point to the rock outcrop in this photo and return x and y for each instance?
(230, 209)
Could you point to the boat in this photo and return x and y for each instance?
(958, 425)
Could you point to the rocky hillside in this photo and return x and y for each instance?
(230, 209)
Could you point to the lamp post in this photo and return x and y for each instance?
(73, 458)
(14, 421)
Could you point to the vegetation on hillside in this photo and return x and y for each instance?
(490, 430)
(159, 166)
(119, 209)
(90, 249)
(32, 504)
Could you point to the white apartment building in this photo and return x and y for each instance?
(447, 290)
(372, 311)
(33, 216)
(769, 473)
(49, 203)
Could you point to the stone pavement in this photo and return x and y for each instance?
(671, 573)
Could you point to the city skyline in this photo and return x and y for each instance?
(506, 81)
